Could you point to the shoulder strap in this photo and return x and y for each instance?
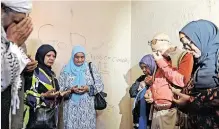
(217, 67)
(91, 72)
(181, 57)
(176, 61)
(53, 82)
(155, 70)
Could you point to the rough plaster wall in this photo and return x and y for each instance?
(151, 17)
(103, 28)
(108, 29)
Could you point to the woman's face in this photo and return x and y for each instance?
(50, 58)
(79, 59)
(145, 69)
(189, 45)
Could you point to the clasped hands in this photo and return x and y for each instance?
(79, 90)
(76, 90)
(148, 97)
(18, 33)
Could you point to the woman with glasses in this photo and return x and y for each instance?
(201, 38)
(174, 69)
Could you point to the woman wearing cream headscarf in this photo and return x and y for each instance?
(174, 69)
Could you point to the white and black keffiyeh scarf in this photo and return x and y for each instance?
(13, 61)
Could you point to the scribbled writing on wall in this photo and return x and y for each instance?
(74, 38)
(101, 57)
(103, 61)
(59, 44)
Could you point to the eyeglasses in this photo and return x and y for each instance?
(154, 41)
(186, 43)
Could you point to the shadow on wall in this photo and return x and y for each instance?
(100, 120)
(125, 105)
(32, 46)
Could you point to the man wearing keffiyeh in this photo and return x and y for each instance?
(16, 27)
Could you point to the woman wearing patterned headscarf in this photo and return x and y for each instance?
(141, 109)
(79, 112)
(201, 38)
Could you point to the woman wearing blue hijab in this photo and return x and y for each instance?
(141, 109)
(201, 38)
(79, 112)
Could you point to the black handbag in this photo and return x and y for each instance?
(42, 118)
(99, 100)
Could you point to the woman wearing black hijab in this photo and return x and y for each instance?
(43, 90)
(42, 55)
